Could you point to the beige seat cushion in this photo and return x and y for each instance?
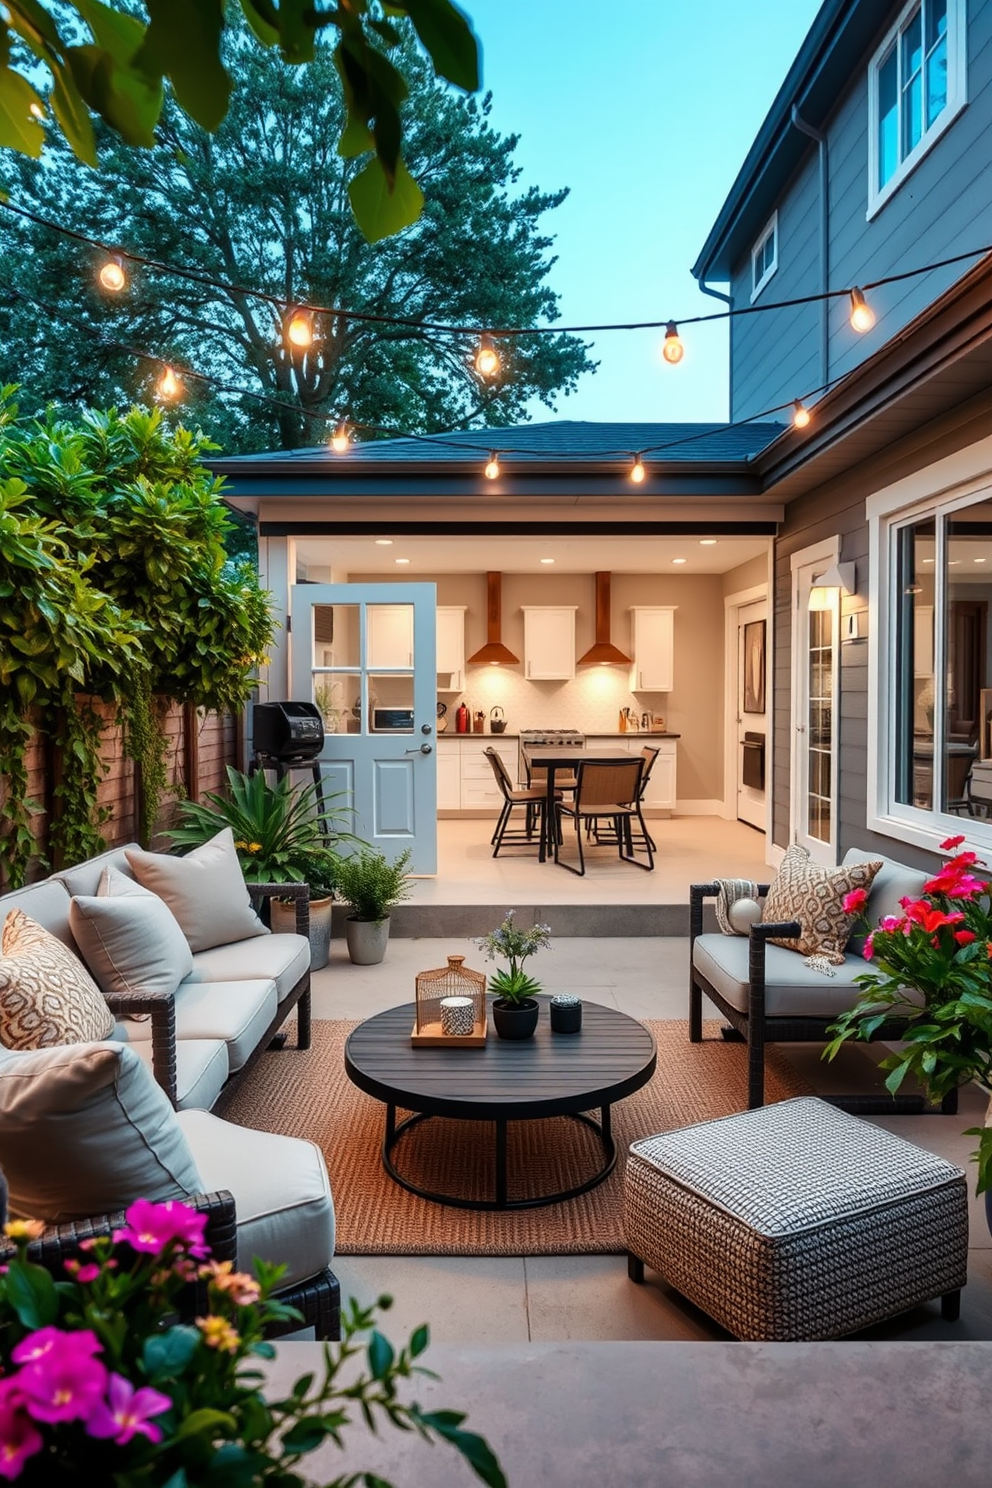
(85, 1130)
(47, 997)
(792, 989)
(129, 937)
(205, 890)
(201, 1069)
(281, 1192)
(284, 958)
(814, 896)
(237, 1012)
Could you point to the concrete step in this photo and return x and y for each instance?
(601, 920)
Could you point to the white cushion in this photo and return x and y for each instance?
(201, 1070)
(47, 903)
(84, 1130)
(237, 1012)
(281, 1192)
(205, 890)
(129, 938)
(284, 958)
(792, 989)
(84, 878)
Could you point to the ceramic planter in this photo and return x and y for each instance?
(367, 940)
(516, 1020)
(283, 920)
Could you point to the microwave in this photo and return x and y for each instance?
(398, 719)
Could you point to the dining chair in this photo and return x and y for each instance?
(606, 792)
(648, 754)
(532, 799)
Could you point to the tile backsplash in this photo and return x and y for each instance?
(590, 702)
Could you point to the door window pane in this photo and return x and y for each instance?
(391, 703)
(819, 723)
(335, 636)
(915, 698)
(390, 635)
(336, 695)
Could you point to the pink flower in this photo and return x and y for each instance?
(19, 1437)
(965, 937)
(892, 922)
(151, 1227)
(82, 1273)
(951, 843)
(128, 1412)
(855, 901)
(60, 1380)
(869, 949)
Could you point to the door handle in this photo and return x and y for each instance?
(420, 749)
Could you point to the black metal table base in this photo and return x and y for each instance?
(602, 1129)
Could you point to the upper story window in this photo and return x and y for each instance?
(916, 86)
(764, 257)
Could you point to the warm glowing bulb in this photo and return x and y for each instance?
(299, 331)
(340, 439)
(637, 471)
(492, 468)
(486, 358)
(112, 275)
(862, 315)
(673, 351)
(801, 416)
(37, 111)
(169, 385)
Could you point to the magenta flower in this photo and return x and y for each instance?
(19, 1437)
(892, 922)
(869, 949)
(151, 1227)
(855, 901)
(128, 1412)
(82, 1273)
(59, 1380)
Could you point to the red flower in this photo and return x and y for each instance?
(951, 843)
(928, 917)
(855, 901)
(965, 937)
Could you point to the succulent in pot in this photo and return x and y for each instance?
(370, 884)
(515, 1009)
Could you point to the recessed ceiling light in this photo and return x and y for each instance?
(978, 560)
(953, 562)
(707, 542)
(678, 560)
(928, 560)
(402, 560)
(384, 542)
(547, 560)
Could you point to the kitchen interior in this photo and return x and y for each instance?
(609, 641)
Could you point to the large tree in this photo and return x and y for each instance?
(263, 204)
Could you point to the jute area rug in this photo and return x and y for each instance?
(309, 1095)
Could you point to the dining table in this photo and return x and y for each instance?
(558, 761)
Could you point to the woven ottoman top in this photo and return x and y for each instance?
(794, 1166)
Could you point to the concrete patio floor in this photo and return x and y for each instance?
(551, 1299)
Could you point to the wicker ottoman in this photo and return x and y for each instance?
(796, 1221)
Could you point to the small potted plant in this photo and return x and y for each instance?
(370, 884)
(931, 967)
(515, 1008)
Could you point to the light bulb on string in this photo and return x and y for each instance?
(487, 357)
(801, 415)
(341, 438)
(862, 315)
(673, 351)
(112, 276)
(169, 385)
(36, 111)
(492, 467)
(637, 471)
(299, 330)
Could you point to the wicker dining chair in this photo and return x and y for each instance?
(605, 837)
(607, 792)
(531, 798)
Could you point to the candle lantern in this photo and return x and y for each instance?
(451, 1006)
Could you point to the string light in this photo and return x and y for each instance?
(169, 385)
(299, 330)
(487, 357)
(862, 315)
(492, 468)
(341, 438)
(801, 416)
(637, 470)
(112, 275)
(673, 351)
(36, 111)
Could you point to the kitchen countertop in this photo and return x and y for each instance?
(598, 734)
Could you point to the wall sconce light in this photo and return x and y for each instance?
(839, 576)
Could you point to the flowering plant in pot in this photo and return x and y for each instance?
(932, 967)
(515, 1009)
(103, 1382)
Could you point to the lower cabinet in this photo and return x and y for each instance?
(449, 777)
(662, 787)
(465, 779)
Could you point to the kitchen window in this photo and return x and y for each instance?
(764, 257)
(916, 86)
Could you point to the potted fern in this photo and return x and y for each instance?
(370, 884)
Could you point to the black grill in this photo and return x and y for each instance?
(286, 731)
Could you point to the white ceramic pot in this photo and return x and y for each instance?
(367, 940)
(283, 920)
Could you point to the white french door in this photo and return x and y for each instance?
(815, 704)
(752, 712)
(365, 654)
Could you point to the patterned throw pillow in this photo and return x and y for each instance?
(814, 896)
(47, 996)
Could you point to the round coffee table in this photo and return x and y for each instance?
(508, 1080)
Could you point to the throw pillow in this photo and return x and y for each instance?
(205, 891)
(85, 1131)
(129, 937)
(47, 996)
(814, 896)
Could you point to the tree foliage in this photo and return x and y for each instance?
(106, 61)
(263, 203)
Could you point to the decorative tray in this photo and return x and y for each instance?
(431, 1037)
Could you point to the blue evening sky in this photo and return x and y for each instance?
(645, 109)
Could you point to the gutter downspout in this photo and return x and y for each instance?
(718, 294)
(821, 141)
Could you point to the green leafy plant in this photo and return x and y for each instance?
(371, 884)
(932, 966)
(101, 1384)
(511, 943)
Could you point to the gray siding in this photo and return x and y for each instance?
(944, 207)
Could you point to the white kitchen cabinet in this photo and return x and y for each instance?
(465, 779)
(549, 642)
(449, 777)
(389, 642)
(662, 788)
(653, 641)
(450, 648)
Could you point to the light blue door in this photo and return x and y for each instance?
(365, 654)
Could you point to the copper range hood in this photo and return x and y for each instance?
(494, 653)
(603, 653)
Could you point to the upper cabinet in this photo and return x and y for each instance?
(450, 648)
(390, 636)
(653, 644)
(549, 642)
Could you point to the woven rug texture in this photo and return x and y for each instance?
(309, 1095)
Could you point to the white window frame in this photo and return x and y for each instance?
(936, 490)
(957, 98)
(769, 230)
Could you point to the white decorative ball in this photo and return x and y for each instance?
(744, 913)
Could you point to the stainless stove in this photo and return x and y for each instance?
(553, 738)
